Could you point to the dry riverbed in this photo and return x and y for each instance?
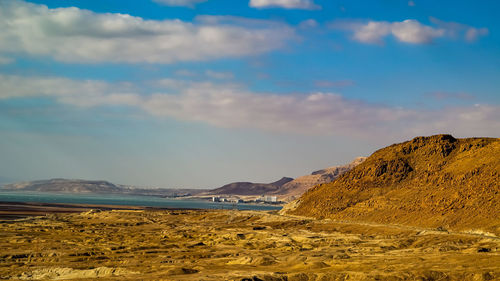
(234, 245)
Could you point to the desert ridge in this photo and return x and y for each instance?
(437, 181)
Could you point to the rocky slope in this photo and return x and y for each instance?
(249, 188)
(88, 186)
(293, 189)
(436, 181)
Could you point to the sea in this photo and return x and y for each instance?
(127, 200)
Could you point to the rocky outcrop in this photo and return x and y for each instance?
(436, 181)
(298, 186)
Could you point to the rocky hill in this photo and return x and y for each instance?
(293, 189)
(89, 186)
(249, 188)
(64, 185)
(436, 181)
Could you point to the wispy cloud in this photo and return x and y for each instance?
(233, 106)
(75, 92)
(76, 35)
(219, 75)
(458, 30)
(180, 3)
(286, 4)
(408, 31)
(307, 24)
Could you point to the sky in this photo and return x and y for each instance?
(200, 93)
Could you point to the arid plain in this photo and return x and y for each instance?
(235, 245)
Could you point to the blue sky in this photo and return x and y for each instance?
(192, 93)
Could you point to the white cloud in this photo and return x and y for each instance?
(179, 3)
(407, 31)
(219, 75)
(76, 35)
(286, 4)
(374, 32)
(74, 92)
(310, 23)
(232, 106)
(411, 31)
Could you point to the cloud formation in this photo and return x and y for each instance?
(286, 4)
(457, 30)
(219, 75)
(74, 92)
(180, 3)
(408, 31)
(232, 106)
(76, 35)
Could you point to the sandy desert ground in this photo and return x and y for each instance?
(235, 245)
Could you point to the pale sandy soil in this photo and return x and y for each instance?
(235, 245)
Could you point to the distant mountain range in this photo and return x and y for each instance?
(89, 186)
(286, 189)
(437, 181)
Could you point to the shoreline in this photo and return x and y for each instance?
(17, 210)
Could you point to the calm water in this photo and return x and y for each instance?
(130, 200)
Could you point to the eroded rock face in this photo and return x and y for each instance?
(428, 181)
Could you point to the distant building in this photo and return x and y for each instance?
(267, 198)
(223, 199)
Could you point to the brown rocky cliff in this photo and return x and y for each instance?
(436, 181)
